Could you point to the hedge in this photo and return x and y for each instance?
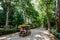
(2, 32)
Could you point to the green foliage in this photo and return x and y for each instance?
(21, 8)
(53, 31)
(42, 11)
(4, 32)
(2, 18)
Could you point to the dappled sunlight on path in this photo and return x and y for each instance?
(36, 34)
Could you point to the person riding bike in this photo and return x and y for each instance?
(25, 29)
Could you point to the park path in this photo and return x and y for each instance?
(36, 34)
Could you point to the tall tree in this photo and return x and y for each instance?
(48, 20)
(57, 15)
(6, 5)
(8, 8)
(46, 10)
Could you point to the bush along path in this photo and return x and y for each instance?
(7, 32)
(36, 34)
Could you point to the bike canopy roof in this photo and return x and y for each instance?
(21, 26)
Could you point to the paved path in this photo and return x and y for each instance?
(37, 34)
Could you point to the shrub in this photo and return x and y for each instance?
(2, 32)
(54, 32)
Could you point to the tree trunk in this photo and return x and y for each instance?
(25, 15)
(57, 15)
(7, 17)
(48, 20)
